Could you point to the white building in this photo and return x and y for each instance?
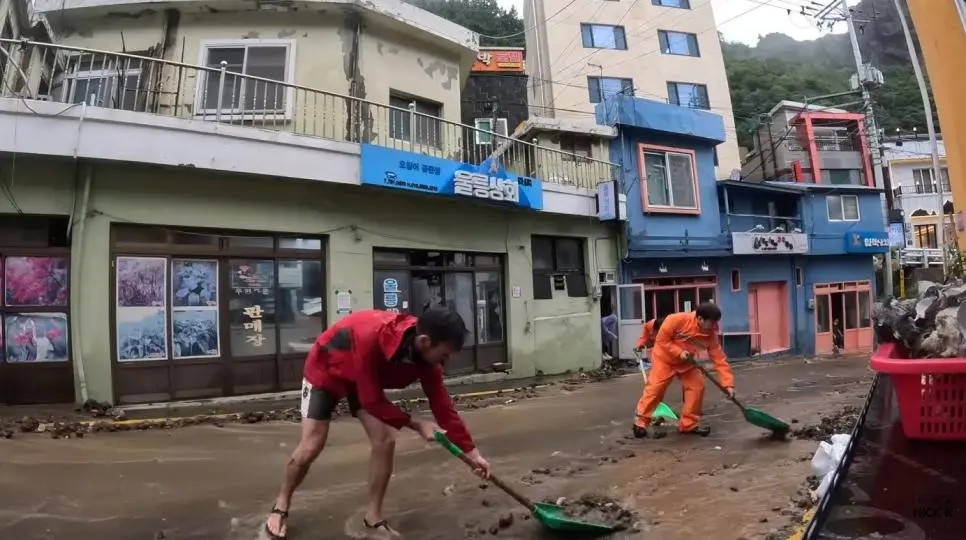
(917, 192)
(656, 49)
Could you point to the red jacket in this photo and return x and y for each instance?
(367, 352)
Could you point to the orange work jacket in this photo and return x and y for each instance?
(681, 332)
(646, 340)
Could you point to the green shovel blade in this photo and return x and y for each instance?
(664, 411)
(764, 420)
(553, 518)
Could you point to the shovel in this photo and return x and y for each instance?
(752, 416)
(550, 516)
(662, 411)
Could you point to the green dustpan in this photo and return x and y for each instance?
(664, 411)
(550, 516)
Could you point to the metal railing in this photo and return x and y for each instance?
(921, 257)
(738, 222)
(220, 93)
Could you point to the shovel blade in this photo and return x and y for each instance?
(664, 411)
(765, 420)
(552, 517)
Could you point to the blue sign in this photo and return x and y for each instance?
(399, 169)
(867, 242)
(897, 235)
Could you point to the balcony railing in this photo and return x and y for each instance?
(737, 222)
(130, 82)
(921, 257)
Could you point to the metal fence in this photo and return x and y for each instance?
(216, 93)
(921, 257)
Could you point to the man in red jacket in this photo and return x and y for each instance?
(356, 359)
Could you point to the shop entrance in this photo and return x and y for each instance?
(200, 313)
(35, 348)
(768, 316)
(470, 284)
(843, 321)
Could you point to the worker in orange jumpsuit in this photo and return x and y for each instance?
(649, 331)
(681, 336)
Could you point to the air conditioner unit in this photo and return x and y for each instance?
(608, 278)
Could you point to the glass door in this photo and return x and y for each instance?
(630, 317)
(458, 296)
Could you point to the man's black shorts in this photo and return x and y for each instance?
(318, 404)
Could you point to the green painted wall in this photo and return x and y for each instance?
(544, 335)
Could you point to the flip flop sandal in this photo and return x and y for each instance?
(384, 525)
(283, 517)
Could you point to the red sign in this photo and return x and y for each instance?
(499, 60)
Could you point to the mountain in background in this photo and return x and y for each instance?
(777, 68)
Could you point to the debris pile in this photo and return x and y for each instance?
(930, 326)
(597, 509)
(607, 371)
(839, 422)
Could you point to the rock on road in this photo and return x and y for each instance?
(208, 483)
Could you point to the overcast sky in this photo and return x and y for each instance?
(759, 19)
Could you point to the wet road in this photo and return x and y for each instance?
(207, 482)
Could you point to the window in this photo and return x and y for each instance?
(735, 280)
(416, 120)
(603, 36)
(680, 43)
(799, 276)
(842, 207)
(267, 59)
(558, 262)
(110, 82)
(602, 87)
(694, 96)
(669, 179)
(926, 236)
(665, 296)
(683, 4)
(925, 183)
(842, 177)
(486, 124)
(576, 147)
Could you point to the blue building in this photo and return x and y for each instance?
(790, 264)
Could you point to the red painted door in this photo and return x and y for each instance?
(768, 316)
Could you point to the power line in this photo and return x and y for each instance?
(525, 30)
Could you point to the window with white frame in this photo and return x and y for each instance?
(485, 125)
(679, 43)
(842, 207)
(415, 120)
(669, 179)
(113, 82)
(244, 88)
(925, 182)
(603, 36)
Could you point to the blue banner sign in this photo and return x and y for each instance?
(867, 242)
(398, 169)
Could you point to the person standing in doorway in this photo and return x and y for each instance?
(356, 359)
(608, 334)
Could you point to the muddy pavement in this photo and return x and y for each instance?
(210, 482)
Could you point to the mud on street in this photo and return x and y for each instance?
(566, 443)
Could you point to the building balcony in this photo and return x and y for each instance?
(101, 88)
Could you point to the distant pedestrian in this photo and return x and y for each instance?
(608, 333)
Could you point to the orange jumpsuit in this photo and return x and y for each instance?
(646, 340)
(681, 332)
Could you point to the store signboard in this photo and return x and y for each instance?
(897, 235)
(753, 243)
(499, 61)
(398, 169)
(867, 242)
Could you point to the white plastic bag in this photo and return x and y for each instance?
(826, 459)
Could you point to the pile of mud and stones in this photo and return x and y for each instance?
(589, 508)
(842, 421)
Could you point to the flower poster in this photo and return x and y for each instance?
(141, 281)
(36, 337)
(195, 333)
(194, 283)
(35, 281)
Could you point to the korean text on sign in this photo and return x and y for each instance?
(254, 314)
(482, 186)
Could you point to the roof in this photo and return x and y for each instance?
(774, 187)
(536, 124)
(825, 188)
(799, 106)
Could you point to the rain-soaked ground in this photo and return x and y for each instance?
(896, 488)
(216, 481)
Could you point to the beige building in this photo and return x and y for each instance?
(657, 49)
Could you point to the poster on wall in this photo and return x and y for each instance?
(140, 315)
(252, 307)
(36, 337)
(35, 281)
(194, 308)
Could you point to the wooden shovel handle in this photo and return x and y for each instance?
(456, 451)
(718, 384)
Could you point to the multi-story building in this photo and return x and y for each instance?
(191, 194)
(810, 144)
(495, 95)
(944, 22)
(790, 263)
(580, 52)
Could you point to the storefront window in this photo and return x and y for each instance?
(851, 310)
(301, 304)
(194, 308)
(459, 298)
(141, 301)
(391, 290)
(665, 296)
(313, 244)
(35, 337)
(822, 314)
(865, 321)
(489, 307)
(251, 307)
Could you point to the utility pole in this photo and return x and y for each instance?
(931, 127)
(871, 130)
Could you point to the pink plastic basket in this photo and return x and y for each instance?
(931, 393)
